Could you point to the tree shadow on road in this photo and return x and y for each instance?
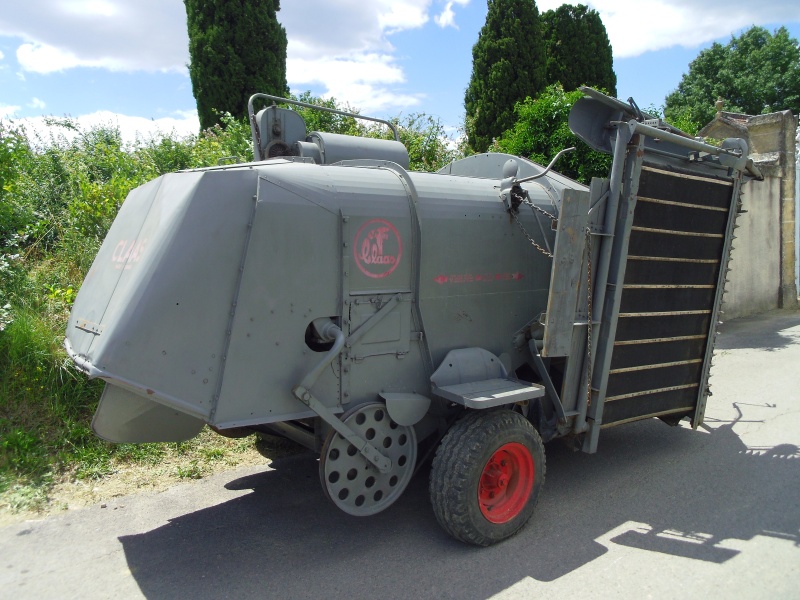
(691, 490)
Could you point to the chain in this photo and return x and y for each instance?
(589, 317)
(521, 198)
(530, 239)
(526, 200)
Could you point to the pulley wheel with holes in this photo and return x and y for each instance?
(353, 483)
(486, 476)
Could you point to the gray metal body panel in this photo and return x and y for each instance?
(123, 415)
(162, 286)
(210, 315)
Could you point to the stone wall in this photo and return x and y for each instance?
(755, 278)
(763, 266)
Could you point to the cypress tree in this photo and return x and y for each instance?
(236, 48)
(578, 49)
(508, 65)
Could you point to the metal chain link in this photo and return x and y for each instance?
(530, 239)
(526, 200)
(521, 198)
(589, 317)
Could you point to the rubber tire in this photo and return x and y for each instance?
(459, 463)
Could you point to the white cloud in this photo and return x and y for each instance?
(361, 68)
(36, 103)
(131, 128)
(90, 7)
(397, 15)
(362, 80)
(7, 111)
(344, 48)
(660, 24)
(119, 35)
(447, 18)
(41, 58)
(1, 55)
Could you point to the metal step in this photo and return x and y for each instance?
(489, 392)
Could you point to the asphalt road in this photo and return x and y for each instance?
(658, 512)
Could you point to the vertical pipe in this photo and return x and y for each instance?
(624, 135)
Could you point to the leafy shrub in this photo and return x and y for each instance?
(542, 131)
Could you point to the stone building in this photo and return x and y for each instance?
(764, 274)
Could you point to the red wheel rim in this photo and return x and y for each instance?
(506, 483)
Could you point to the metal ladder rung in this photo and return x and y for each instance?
(673, 232)
(656, 391)
(655, 366)
(680, 338)
(705, 261)
(668, 313)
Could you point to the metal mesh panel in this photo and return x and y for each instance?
(670, 287)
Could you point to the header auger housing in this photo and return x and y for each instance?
(381, 316)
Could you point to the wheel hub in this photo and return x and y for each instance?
(506, 483)
(353, 483)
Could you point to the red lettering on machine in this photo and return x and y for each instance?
(127, 252)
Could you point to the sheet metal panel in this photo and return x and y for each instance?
(290, 278)
(166, 304)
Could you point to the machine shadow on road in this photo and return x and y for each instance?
(688, 491)
(769, 331)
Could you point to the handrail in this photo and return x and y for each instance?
(251, 112)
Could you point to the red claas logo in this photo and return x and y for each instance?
(377, 248)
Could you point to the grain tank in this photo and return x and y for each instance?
(381, 316)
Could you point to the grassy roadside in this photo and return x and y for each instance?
(107, 471)
(58, 196)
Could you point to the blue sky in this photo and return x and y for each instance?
(124, 61)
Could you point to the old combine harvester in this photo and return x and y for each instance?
(381, 316)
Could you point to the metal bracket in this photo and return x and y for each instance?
(301, 391)
(376, 318)
(383, 464)
(541, 370)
